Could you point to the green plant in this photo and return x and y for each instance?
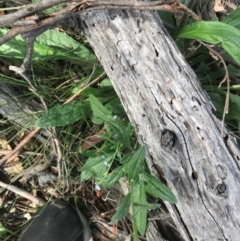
(4, 230)
(119, 157)
(51, 44)
(219, 33)
(216, 79)
(110, 164)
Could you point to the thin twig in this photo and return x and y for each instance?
(38, 201)
(39, 24)
(20, 145)
(85, 87)
(225, 79)
(82, 6)
(184, 19)
(58, 152)
(56, 142)
(10, 19)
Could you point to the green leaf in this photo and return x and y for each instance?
(49, 45)
(63, 46)
(233, 71)
(147, 206)
(126, 158)
(15, 48)
(122, 209)
(115, 106)
(85, 175)
(53, 8)
(99, 110)
(233, 18)
(2, 230)
(157, 189)
(215, 32)
(113, 177)
(136, 163)
(218, 101)
(139, 214)
(61, 115)
(104, 95)
(121, 132)
(97, 165)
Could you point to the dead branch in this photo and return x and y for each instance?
(23, 193)
(11, 19)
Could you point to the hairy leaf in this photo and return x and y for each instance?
(62, 45)
(98, 166)
(49, 45)
(15, 48)
(61, 115)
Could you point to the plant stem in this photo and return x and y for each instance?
(135, 231)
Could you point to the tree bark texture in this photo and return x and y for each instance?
(172, 117)
(15, 108)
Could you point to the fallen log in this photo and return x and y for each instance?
(173, 118)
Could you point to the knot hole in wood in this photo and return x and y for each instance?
(168, 139)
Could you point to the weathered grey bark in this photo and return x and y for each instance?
(20, 110)
(173, 118)
(16, 108)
